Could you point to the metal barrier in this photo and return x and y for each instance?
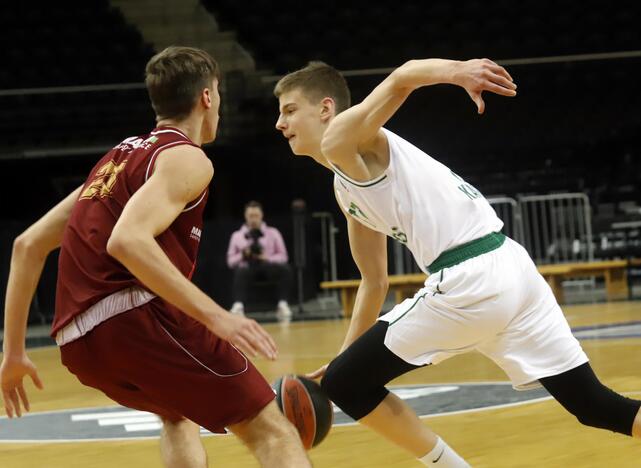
(328, 232)
(510, 213)
(557, 227)
(553, 228)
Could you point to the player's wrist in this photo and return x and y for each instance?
(453, 72)
(13, 352)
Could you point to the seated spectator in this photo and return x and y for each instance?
(257, 251)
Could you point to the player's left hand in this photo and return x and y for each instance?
(479, 75)
(12, 371)
(318, 373)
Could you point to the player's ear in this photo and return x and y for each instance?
(327, 109)
(206, 98)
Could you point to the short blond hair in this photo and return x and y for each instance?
(317, 81)
(175, 78)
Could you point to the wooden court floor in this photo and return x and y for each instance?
(536, 434)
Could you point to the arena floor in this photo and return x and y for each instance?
(466, 400)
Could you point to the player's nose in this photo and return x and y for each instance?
(280, 124)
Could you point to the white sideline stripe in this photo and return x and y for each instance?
(151, 426)
(115, 414)
(128, 420)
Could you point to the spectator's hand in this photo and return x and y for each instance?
(12, 371)
(247, 253)
(318, 373)
(246, 335)
(479, 75)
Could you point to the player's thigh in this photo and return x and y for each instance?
(538, 342)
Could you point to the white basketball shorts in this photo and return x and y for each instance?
(496, 303)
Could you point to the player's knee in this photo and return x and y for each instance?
(605, 409)
(355, 397)
(331, 383)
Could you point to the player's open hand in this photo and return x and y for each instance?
(480, 75)
(246, 335)
(12, 371)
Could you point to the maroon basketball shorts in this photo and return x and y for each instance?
(155, 358)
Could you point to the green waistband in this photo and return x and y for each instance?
(472, 249)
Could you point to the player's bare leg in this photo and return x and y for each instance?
(397, 422)
(180, 445)
(272, 439)
(636, 425)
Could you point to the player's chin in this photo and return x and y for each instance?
(296, 149)
(210, 137)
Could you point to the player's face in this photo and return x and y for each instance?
(299, 121)
(211, 116)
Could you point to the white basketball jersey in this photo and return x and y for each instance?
(419, 202)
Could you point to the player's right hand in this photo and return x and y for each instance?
(479, 75)
(246, 335)
(12, 371)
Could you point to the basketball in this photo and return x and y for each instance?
(304, 403)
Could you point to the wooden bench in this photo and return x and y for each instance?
(403, 286)
(615, 273)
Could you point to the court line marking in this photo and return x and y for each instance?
(348, 424)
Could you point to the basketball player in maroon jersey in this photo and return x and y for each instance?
(128, 320)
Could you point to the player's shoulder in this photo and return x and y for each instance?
(185, 158)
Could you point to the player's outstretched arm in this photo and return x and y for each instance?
(181, 174)
(30, 250)
(353, 131)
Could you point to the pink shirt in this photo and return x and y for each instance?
(272, 242)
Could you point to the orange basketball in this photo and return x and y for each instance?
(304, 403)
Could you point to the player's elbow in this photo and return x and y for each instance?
(27, 245)
(119, 245)
(23, 244)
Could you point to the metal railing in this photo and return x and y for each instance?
(557, 227)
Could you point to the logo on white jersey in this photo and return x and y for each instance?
(195, 233)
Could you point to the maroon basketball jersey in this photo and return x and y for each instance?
(86, 272)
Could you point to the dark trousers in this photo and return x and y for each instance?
(278, 273)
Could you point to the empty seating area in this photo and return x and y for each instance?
(79, 43)
(71, 43)
(363, 34)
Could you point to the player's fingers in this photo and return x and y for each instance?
(478, 100)
(242, 344)
(8, 407)
(502, 81)
(23, 397)
(15, 402)
(262, 344)
(318, 373)
(36, 379)
(499, 70)
(269, 342)
(496, 89)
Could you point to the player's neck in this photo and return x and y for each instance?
(317, 155)
(187, 126)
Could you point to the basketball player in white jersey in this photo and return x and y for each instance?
(483, 291)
